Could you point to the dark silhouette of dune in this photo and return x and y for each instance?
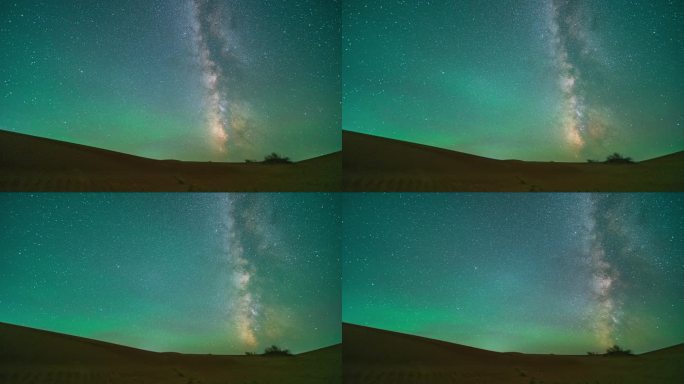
(29, 163)
(373, 163)
(675, 350)
(373, 355)
(38, 356)
(403, 348)
(29, 345)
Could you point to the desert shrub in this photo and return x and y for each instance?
(616, 350)
(274, 350)
(250, 354)
(617, 158)
(275, 158)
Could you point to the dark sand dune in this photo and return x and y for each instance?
(376, 356)
(29, 163)
(29, 355)
(372, 163)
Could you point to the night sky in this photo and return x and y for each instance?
(525, 79)
(203, 273)
(544, 273)
(181, 79)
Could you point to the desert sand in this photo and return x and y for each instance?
(376, 356)
(34, 164)
(29, 355)
(372, 163)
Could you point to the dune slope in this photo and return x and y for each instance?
(29, 163)
(374, 163)
(378, 356)
(30, 355)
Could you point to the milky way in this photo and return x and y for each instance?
(249, 233)
(244, 300)
(255, 252)
(575, 48)
(220, 57)
(574, 108)
(606, 309)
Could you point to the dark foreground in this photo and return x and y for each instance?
(377, 356)
(34, 164)
(33, 356)
(374, 163)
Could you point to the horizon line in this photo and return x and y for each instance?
(245, 161)
(487, 350)
(493, 158)
(147, 350)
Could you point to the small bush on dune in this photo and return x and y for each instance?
(615, 158)
(616, 350)
(275, 158)
(274, 350)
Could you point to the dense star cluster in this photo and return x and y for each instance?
(202, 273)
(544, 273)
(526, 79)
(181, 79)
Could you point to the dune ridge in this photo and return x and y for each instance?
(39, 356)
(373, 163)
(374, 355)
(36, 164)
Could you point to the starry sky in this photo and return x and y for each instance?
(536, 273)
(183, 79)
(197, 273)
(525, 79)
